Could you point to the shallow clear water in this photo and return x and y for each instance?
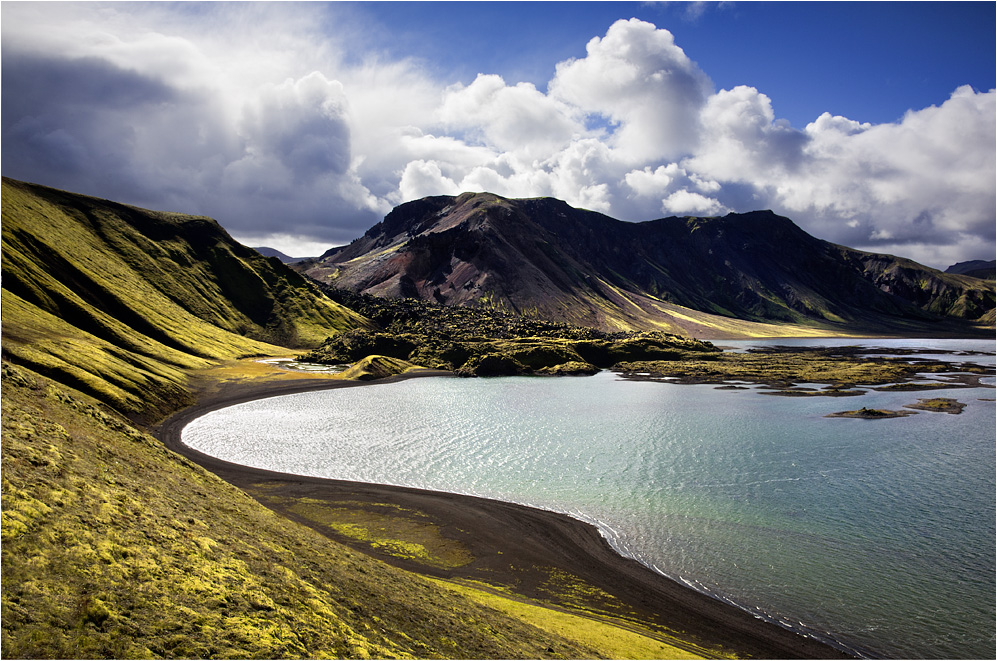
(878, 533)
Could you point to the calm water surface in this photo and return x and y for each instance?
(879, 534)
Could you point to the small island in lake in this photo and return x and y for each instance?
(939, 404)
(871, 414)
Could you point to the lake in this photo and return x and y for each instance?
(877, 534)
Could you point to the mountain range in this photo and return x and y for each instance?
(742, 274)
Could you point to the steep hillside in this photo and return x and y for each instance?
(118, 301)
(701, 276)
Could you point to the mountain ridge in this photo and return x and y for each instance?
(692, 275)
(273, 252)
(102, 296)
(976, 268)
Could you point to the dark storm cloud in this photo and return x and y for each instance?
(90, 126)
(55, 117)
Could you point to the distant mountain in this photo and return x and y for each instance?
(976, 268)
(700, 276)
(118, 301)
(273, 252)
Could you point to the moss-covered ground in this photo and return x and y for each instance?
(490, 342)
(619, 638)
(121, 302)
(841, 369)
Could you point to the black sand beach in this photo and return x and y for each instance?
(511, 545)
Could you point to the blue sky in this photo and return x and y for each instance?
(867, 61)
(299, 125)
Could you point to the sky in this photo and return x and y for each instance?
(300, 125)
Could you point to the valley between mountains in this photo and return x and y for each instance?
(118, 321)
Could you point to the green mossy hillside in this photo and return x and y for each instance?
(114, 547)
(118, 301)
(482, 342)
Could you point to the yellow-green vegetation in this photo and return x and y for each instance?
(480, 342)
(114, 547)
(842, 367)
(370, 368)
(938, 404)
(616, 639)
(120, 302)
(870, 414)
(385, 527)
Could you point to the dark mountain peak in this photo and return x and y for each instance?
(439, 212)
(976, 268)
(404, 216)
(767, 223)
(273, 252)
(542, 255)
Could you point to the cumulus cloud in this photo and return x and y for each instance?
(740, 135)
(98, 101)
(517, 119)
(644, 84)
(927, 180)
(424, 178)
(261, 115)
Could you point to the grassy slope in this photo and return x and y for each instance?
(119, 301)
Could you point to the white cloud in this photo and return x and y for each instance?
(646, 183)
(639, 79)
(424, 178)
(742, 141)
(684, 202)
(517, 119)
(252, 113)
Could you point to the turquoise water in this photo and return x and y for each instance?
(877, 534)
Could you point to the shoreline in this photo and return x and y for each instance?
(504, 537)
